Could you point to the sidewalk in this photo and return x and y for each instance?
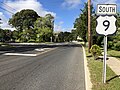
(114, 64)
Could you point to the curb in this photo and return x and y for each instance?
(88, 83)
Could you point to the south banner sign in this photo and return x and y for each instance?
(106, 9)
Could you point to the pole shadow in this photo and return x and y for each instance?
(117, 76)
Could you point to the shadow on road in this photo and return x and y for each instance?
(24, 48)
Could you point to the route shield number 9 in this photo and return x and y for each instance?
(106, 25)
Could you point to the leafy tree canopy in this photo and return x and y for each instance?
(23, 19)
(81, 22)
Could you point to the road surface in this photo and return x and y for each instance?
(61, 68)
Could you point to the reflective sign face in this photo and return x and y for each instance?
(106, 9)
(106, 25)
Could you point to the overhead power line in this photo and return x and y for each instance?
(6, 10)
(8, 6)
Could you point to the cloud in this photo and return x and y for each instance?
(95, 2)
(18, 5)
(2, 16)
(71, 3)
(59, 28)
(4, 21)
(61, 22)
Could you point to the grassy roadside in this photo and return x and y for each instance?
(96, 68)
(114, 53)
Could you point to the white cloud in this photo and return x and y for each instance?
(59, 28)
(18, 5)
(61, 22)
(4, 21)
(71, 3)
(2, 17)
(68, 29)
(95, 2)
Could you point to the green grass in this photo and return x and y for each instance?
(96, 68)
(1, 43)
(114, 53)
(118, 58)
(49, 42)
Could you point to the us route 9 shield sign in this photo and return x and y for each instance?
(106, 25)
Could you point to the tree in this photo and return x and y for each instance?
(44, 28)
(74, 34)
(81, 24)
(95, 38)
(1, 35)
(65, 37)
(15, 35)
(7, 35)
(49, 21)
(114, 41)
(23, 19)
(61, 37)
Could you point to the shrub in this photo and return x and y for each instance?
(110, 45)
(95, 51)
(117, 46)
(31, 41)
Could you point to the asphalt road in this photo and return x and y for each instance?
(58, 69)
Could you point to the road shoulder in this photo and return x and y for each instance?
(87, 73)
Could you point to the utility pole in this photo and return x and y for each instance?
(89, 25)
(0, 21)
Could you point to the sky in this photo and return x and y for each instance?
(64, 11)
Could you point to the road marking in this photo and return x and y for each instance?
(46, 51)
(32, 55)
(19, 54)
(39, 50)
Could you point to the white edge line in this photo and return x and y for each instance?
(87, 73)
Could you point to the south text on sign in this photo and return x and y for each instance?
(106, 9)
